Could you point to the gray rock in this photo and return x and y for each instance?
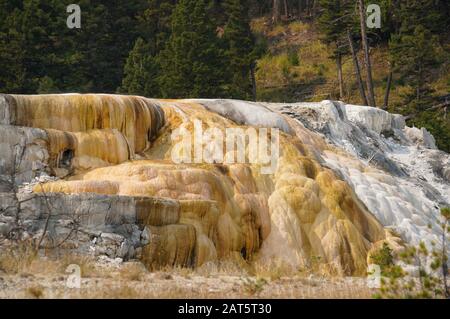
(112, 237)
(23, 153)
(115, 226)
(421, 137)
(5, 228)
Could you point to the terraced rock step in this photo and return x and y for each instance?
(343, 178)
(162, 232)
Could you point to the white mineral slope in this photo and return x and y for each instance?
(395, 170)
(246, 113)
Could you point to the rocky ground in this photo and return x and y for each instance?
(46, 279)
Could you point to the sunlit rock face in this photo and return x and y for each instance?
(316, 206)
(395, 170)
(94, 130)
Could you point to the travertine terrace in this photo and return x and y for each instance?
(105, 161)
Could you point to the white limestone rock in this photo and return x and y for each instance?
(395, 170)
(420, 137)
(374, 119)
(248, 113)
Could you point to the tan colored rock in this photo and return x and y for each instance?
(157, 212)
(138, 119)
(170, 245)
(302, 214)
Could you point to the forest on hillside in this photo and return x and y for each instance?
(241, 49)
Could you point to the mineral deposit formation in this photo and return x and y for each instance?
(96, 174)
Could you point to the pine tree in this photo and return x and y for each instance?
(239, 49)
(48, 52)
(109, 31)
(415, 56)
(427, 13)
(140, 72)
(415, 49)
(366, 49)
(192, 62)
(38, 30)
(12, 75)
(334, 23)
(155, 24)
(416, 53)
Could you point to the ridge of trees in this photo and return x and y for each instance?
(205, 48)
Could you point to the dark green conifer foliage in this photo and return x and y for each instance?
(415, 55)
(142, 68)
(336, 18)
(12, 74)
(240, 47)
(192, 62)
(416, 52)
(155, 24)
(140, 71)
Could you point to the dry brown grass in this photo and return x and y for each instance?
(86, 264)
(272, 271)
(253, 288)
(22, 259)
(133, 272)
(124, 291)
(316, 73)
(31, 276)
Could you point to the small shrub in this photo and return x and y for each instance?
(17, 259)
(383, 258)
(254, 286)
(278, 30)
(432, 279)
(293, 58)
(297, 27)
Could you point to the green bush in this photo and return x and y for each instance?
(383, 258)
(293, 58)
(431, 281)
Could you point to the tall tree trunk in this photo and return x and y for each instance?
(340, 78)
(286, 9)
(253, 78)
(314, 7)
(419, 86)
(362, 91)
(276, 11)
(388, 89)
(369, 80)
